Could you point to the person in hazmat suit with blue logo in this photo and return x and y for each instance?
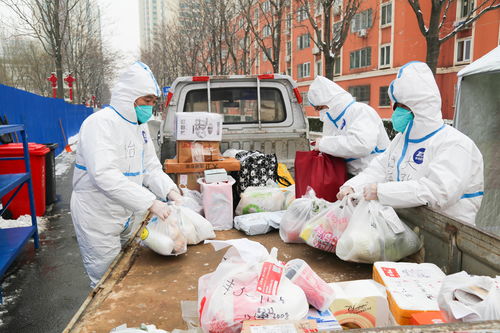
(117, 172)
(427, 163)
(351, 130)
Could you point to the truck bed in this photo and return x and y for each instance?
(144, 287)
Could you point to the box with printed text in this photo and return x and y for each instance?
(198, 126)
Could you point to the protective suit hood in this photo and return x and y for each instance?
(135, 82)
(326, 92)
(416, 88)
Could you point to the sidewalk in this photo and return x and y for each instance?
(42, 290)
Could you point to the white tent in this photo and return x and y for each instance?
(477, 115)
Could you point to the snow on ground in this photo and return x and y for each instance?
(64, 161)
(25, 221)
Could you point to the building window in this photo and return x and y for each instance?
(288, 48)
(289, 21)
(463, 50)
(361, 58)
(362, 20)
(266, 31)
(305, 100)
(256, 15)
(383, 99)
(386, 14)
(337, 66)
(318, 8)
(466, 7)
(301, 14)
(266, 6)
(289, 71)
(319, 68)
(304, 70)
(303, 41)
(336, 30)
(360, 93)
(385, 56)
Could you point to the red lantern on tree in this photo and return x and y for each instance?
(53, 81)
(70, 79)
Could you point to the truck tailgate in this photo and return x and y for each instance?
(144, 287)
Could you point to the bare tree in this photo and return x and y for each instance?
(437, 31)
(47, 21)
(329, 37)
(266, 26)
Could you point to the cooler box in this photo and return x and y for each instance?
(21, 203)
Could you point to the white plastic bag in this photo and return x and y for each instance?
(375, 233)
(142, 329)
(248, 284)
(267, 198)
(165, 236)
(298, 213)
(258, 223)
(324, 230)
(218, 202)
(192, 199)
(195, 227)
(467, 298)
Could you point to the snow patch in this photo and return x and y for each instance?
(24, 221)
(65, 159)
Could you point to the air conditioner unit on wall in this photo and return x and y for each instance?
(336, 10)
(315, 50)
(288, 58)
(362, 33)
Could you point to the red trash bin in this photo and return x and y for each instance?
(21, 203)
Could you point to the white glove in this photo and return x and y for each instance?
(316, 144)
(176, 197)
(160, 209)
(370, 192)
(345, 190)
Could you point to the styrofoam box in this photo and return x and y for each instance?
(198, 126)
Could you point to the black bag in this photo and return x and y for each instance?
(256, 169)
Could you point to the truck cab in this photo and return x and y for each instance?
(261, 112)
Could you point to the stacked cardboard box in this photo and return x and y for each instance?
(198, 137)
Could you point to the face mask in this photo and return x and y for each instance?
(144, 112)
(401, 117)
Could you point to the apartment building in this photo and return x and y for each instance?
(152, 14)
(383, 36)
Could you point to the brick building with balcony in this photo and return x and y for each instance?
(383, 36)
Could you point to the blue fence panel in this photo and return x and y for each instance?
(41, 115)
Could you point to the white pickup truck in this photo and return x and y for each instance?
(260, 113)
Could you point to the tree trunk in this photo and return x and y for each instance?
(59, 74)
(433, 47)
(329, 70)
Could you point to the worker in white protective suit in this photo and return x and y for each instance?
(117, 172)
(351, 130)
(428, 162)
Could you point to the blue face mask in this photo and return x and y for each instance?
(401, 117)
(144, 112)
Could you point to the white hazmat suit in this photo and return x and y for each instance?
(430, 163)
(351, 130)
(117, 172)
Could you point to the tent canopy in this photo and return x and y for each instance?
(490, 62)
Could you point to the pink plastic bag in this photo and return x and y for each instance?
(218, 203)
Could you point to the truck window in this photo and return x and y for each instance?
(239, 105)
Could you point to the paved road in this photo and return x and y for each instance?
(46, 287)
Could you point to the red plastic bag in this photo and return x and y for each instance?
(324, 173)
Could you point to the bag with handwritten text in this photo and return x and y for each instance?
(248, 284)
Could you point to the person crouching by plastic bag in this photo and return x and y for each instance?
(172, 235)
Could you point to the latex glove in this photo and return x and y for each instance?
(160, 209)
(370, 192)
(345, 190)
(176, 197)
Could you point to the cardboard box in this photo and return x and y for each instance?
(198, 126)
(411, 287)
(228, 163)
(427, 318)
(189, 180)
(198, 151)
(288, 326)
